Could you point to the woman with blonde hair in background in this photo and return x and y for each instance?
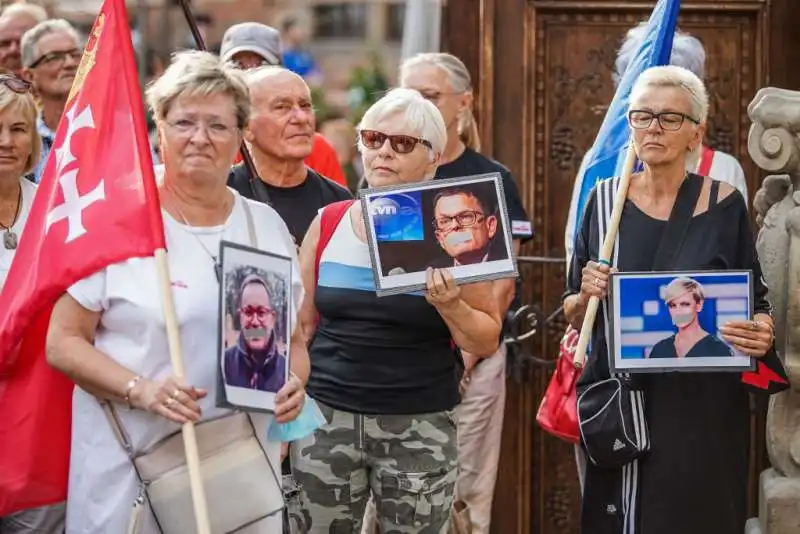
(20, 146)
(444, 80)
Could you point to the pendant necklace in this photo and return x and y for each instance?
(214, 260)
(10, 238)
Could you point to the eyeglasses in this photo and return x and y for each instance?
(464, 219)
(57, 57)
(262, 312)
(18, 85)
(402, 144)
(216, 131)
(670, 121)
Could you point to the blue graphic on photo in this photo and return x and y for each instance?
(645, 319)
(397, 216)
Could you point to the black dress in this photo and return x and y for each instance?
(707, 347)
(694, 479)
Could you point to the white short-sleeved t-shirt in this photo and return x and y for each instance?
(102, 483)
(7, 256)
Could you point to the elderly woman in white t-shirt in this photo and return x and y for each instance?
(108, 335)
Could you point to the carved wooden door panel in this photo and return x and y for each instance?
(543, 81)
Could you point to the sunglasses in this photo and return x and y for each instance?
(402, 144)
(18, 85)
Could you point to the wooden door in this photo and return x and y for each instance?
(543, 81)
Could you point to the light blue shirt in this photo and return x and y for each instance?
(47, 136)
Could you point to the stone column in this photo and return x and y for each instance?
(774, 144)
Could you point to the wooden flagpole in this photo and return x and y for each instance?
(605, 253)
(188, 430)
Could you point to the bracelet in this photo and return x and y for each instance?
(129, 387)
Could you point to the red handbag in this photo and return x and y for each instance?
(558, 412)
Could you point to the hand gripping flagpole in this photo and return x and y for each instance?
(189, 434)
(605, 254)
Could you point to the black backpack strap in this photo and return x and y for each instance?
(260, 191)
(679, 220)
(713, 195)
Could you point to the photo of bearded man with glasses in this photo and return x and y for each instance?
(258, 359)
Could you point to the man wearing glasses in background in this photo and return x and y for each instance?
(51, 53)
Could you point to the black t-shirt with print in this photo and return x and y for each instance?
(297, 205)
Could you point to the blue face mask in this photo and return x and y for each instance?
(309, 420)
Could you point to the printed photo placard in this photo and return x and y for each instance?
(670, 321)
(459, 223)
(254, 327)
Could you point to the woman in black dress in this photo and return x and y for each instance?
(694, 479)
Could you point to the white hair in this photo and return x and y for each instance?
(254, 77)
(461, 82)
(672, 76)
(687, 52)
(31, 38)
(422, 118)
(33, 11)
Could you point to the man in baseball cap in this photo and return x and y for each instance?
(250, 45)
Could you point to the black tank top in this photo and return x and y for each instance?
(370, 355)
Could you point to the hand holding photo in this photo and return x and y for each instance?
(676, 321)
(459, 224)
(254, 327)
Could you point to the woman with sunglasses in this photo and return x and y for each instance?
(20, 146)
(385, 371)
(694, 477)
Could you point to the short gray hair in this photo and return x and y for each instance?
(30, 40)
(421, 117)
(673, 76)
(461, 82)
(687, 52)
(196, 73)
(34, 11)
(253, 77)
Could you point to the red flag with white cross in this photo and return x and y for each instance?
(97, 204)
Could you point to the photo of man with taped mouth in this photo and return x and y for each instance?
(465, 224)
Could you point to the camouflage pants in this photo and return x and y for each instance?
(407, 462)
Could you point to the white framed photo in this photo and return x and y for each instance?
(670, 321)
(254, 327)
(459, 223)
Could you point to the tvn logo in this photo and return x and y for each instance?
(397, 217)
(386, 207)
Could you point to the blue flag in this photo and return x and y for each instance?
(607, 155)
